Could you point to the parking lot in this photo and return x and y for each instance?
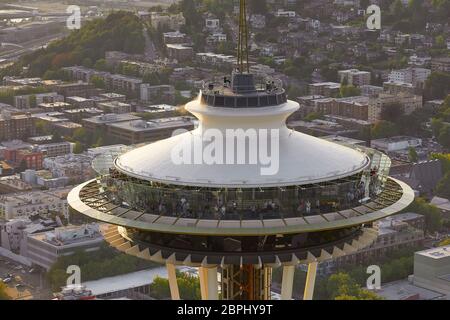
(23, 283)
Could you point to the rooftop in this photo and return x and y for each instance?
(436, 253)
(157, 124)
(125, 281)
(112, 118)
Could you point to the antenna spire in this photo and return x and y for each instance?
(242, 57)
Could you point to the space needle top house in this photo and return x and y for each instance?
(242, 193)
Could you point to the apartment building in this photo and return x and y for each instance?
(355, 77)
(33, 100)
(156, 94)
(326, 89)
(18, 126)
(409, 103)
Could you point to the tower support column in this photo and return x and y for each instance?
(310, 281)
(287, 282)
(171, 273)
(209, 286)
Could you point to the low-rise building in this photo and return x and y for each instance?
(440, 64)
(355, 77)
(326, 89)
(100, 122)
(24, 205)
(157, 94)
(115, 107)
(33, 100)
(44, 249)
(55, 149)
(80, 102)
(432, 269)
(396, 143)
(180, 52)
(76, 167)
(139, 131)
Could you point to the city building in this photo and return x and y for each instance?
(34, 100)
(138, 131)
(441, 64)
(100, 122)
(75, 167)
(355, 77)
(55, 149)
(352, 107)
(24, 205)
(408, 102)
(396, 143)
(78, 89)
(155, 94)
(124, 84)
(44, 249)
(326, 89)
(66, 128)
(115, 107)
(14, 232)
(369, 90)
(170, 21)
(396, 87)
(180, 52)
(414, 76)
(432, 269)
(80, 102)
(174, 37)
(16, 126)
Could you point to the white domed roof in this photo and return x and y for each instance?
(303, 159)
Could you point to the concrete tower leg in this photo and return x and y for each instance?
(287, 282)
(310, 281)
(209, 286)
(171, 273)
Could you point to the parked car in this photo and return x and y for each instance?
(7, 280)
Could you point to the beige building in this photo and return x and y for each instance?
(432, 269)
(409, 103)
(355, 77)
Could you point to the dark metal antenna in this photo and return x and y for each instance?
(242, 63)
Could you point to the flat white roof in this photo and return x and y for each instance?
(124, 282)
(436, 253)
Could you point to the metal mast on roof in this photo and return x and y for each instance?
(242, 56)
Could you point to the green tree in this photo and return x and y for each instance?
(412, 155)
(3, 294)
(392, 112)
(443, 187)
(349, 91)
(98, 82)
(384, 129)
(444, 243)
(437, 86)
(78, 148)
(433, 216)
